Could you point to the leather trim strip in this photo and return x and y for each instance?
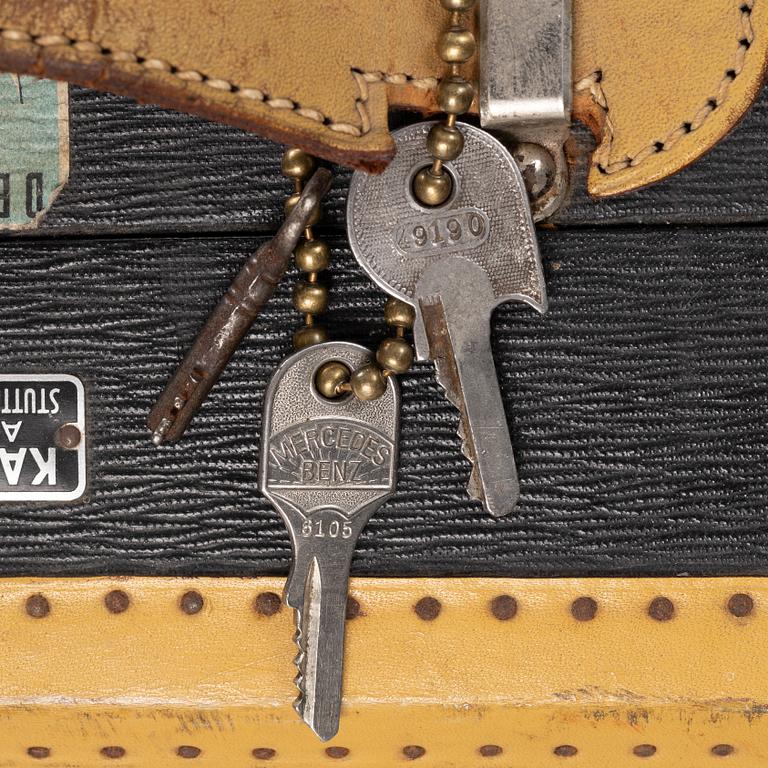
(449, 672)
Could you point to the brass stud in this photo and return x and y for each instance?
(188, 752)
(309, 335)
(329, 377)
(445, 142)
(566, 750)
(353, 609)
(428, 608)
(432, 189)
(267, 604)
(368, 382)
(336, 753)
(584, 609)
(117, 601)
(413, 752)
(722, 750)
(191, 602)
(395, 354)
(644, 750)
(457, 6)
(263, 753)
(504, 607)
(39, 753)
(455, 95)
(312, 256)
(457, 45)
(37, 606)
(490, 750)
(310, 298)
(741, 605)
(297, 164)
(398, 314)
(113, 753)
(661, 609)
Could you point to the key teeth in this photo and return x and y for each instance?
(474, 486)
(298, 638)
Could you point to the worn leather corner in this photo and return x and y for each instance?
(661, 84)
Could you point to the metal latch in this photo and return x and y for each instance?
(525, 89)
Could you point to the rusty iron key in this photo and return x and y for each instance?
(225, 328)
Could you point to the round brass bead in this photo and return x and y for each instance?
(457, 6)
(398, 314)
(297, 164)
(368, 382)
(457, 45)
(310, 298)
(395, 354)
(329, 377)
(432, 190)
(291, 203)
(309, 335)
(445, 142)
(455, 95)
(312, 256)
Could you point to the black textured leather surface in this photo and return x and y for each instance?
(637, 405)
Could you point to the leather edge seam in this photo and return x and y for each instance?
(593, 84)
(362, 79)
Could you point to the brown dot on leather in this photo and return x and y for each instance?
(264, 753)
(39, 753)
(336, 752)
(741, 605)
(267, 604)
(38, 606)
(428, 608)
(566, 750)
(414, 752)
(191, 602)
(644, 750)
(188, 752)
(353, 608)
(584, 609)
(490, 750)
(504, 607)
(722, 750)
(661, 609)
(117, 601)
(113, 753)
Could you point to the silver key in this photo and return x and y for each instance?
(326, 466)
(454, 264)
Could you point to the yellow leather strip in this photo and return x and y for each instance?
(447, 672)
(660, 83)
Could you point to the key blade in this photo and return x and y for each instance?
(320, 639)
(457, 333)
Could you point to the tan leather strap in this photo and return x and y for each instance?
(660, 83)
(452, 672)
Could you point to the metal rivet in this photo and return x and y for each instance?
(741, 605)
(113, 753)
(353, 608)
(490, 750)
(188, 752)
(263, 753)
(565, 750)
(428, 608)
(644, 750)
(722, 750)
(39, 753)
(414, 752)
(68, 437)
(584, 609)
(504, 607)
(661, 609)
(336, 752)
(191, 602)
(267, 604)
(38, 606)
(117, 601)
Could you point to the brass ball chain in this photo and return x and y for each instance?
(432, 186)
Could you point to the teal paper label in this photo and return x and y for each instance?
(34, 148)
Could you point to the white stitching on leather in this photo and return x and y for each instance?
(253, 94)
(593, 84)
